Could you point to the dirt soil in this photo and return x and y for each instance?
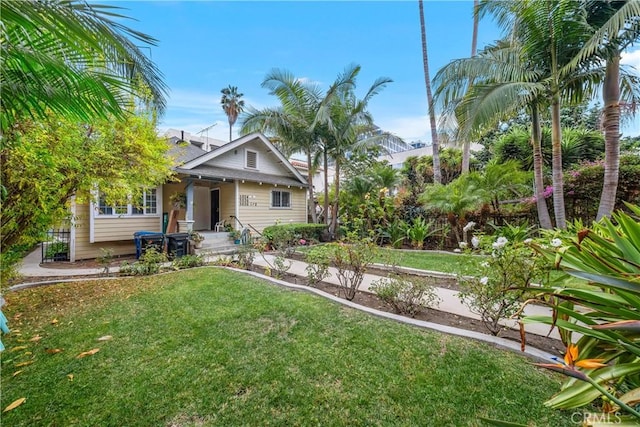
(367, 299)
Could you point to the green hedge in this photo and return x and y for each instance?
(293, 231)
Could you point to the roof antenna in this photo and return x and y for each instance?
(182, 135)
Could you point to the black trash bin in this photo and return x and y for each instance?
(151, 240)
(177, 244)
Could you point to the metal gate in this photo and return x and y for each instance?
(56, 245)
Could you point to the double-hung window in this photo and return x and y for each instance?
(280, 199)
(146, 204)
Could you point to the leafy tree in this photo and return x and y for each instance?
(75, 59)
(232, 105)
(46, 163)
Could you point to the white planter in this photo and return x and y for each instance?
(185, 226)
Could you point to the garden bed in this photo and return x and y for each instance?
(368, 299)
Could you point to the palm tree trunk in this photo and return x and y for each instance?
(326, 186)
(536, 142)
(611, 98)
(556, 164)
(230, 127)
(466, 146)
(312, 205)
(333, 228)
(437, 174)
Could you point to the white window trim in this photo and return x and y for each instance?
(129, 213)
(280, 207)
(246, 156)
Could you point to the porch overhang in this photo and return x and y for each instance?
(230, 175)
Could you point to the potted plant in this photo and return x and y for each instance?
(196, 238)
(235, 236)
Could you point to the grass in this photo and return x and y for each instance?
(435, 261)
(214, 347)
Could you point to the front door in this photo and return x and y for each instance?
(215, 207)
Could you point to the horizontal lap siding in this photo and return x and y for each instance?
(268, 162)
(122, 228)
(261, 215)
(227, 203)
(86, 250)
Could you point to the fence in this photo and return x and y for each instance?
(56, 245)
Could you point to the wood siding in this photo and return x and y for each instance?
(260, 214)
(86, 250)
(267, 161)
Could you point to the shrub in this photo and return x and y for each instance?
(187, 261)
(351, 257)
(293, 232)
(105, 259)
(404, 295)
(245, 256)
(504, 279)
(149, 263)
(318, 260)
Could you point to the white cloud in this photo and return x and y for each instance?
(631, 58)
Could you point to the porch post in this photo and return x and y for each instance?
(189, 189)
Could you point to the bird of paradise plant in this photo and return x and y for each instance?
(606, 315)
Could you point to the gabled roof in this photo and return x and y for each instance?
(220, 173)
(184, 152)
(256, 136)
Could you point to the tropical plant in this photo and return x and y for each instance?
(232, 105)
(607, 319)
(73, 58)
(418, 231)
(349, 127)
(455, 200)
(431, 105)
(615, 25)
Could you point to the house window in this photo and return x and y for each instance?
(280, 199)
(146, 204)
(251, 159)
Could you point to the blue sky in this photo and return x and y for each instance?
(205, 46)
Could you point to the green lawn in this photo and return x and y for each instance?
(434, 261)
(214, 347)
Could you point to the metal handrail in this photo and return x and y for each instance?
(237, 220)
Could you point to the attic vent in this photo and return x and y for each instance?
(251, 160)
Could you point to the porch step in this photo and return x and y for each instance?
(216, 244)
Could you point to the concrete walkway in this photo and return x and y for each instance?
(449, 301)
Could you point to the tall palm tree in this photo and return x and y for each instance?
(232, 105)
(615, 25)
(72, 58)
(437, 177)
(466, 145)
(349, 127)
(296, 123)
(495, 84)
(545, 36)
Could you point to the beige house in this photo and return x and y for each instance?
(246, 181)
